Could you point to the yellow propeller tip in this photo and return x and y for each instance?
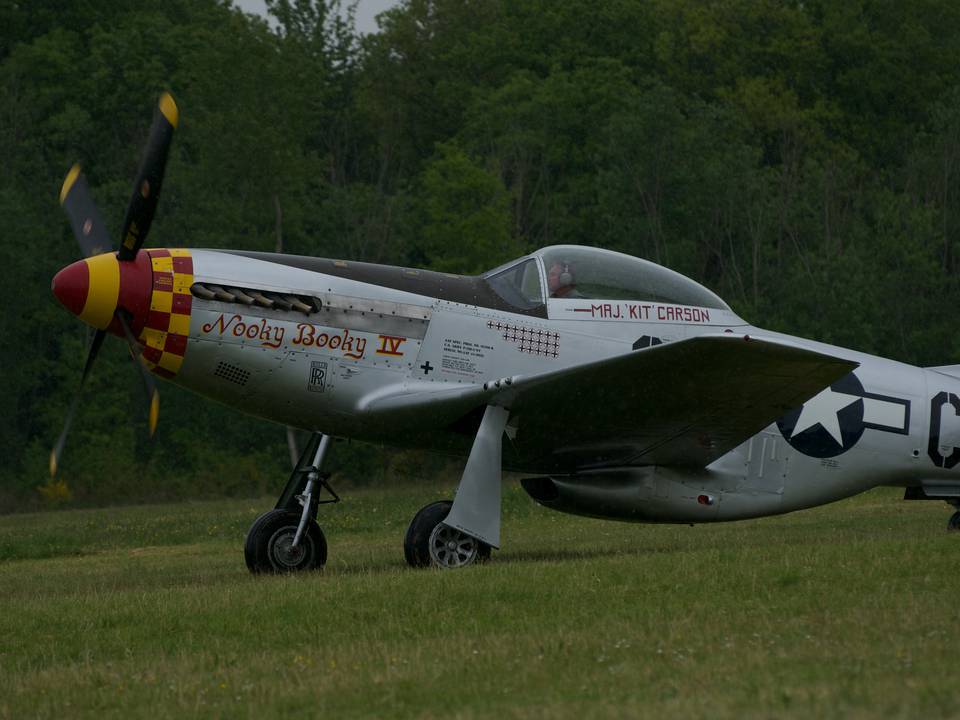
(169, 109)
(154, 412)
(68, 182)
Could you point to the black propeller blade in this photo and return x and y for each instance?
(153, 397)
(61, 441)
(146, 189)
(85, 219)
(91, 233)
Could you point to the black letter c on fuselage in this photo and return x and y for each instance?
(933, 446)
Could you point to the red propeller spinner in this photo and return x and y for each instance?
(94, 289)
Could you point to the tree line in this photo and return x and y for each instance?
(799, 157)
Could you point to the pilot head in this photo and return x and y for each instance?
(560, 279)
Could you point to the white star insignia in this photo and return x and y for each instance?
(823, 410)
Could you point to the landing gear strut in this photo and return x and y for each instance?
(288, 538)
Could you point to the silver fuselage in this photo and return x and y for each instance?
(320, 372)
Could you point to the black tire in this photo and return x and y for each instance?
(416, 543)
(267, 546)
(953, 524)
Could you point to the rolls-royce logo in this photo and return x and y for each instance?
(318, 376)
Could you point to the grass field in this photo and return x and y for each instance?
(850, 610)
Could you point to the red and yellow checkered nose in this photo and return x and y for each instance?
(166, 328)
(154, 289)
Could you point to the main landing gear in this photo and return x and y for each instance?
(456, 534)
(443, 534)
(934, 492)
(430, 542)
(288, 538)
(953, 524)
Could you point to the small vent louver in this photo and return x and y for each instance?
(231, 373)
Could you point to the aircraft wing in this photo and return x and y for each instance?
(684, 403)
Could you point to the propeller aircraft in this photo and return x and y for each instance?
(619, 388)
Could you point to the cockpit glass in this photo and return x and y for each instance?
(575, 271)
(518, 285)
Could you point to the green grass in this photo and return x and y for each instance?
(849, 610)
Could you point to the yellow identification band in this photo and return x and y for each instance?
(68, 182)
(103, 291)
(169, 109)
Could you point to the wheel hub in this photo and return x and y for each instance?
(451, 548)
(284, 555)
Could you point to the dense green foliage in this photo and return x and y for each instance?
(801, 158)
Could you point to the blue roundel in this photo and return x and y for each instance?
(829, 423)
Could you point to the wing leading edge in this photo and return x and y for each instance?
(684, 403)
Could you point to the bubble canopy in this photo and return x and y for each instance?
(577, 271)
